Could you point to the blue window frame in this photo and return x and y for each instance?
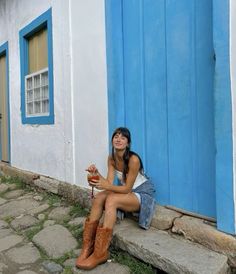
(44, 21)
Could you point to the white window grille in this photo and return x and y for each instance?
(37, 94)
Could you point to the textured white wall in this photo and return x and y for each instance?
(233, 86)
(89, 86)
(45, 149)
(80, 133)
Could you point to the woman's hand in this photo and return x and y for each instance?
(92, 168)
(101, 184)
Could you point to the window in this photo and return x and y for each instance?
(36, 94)
(37, 71)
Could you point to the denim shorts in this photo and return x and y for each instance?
(147, 206)
(146, 187)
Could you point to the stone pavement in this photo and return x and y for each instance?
(41, 234)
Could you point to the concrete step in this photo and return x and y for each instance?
(167, 253)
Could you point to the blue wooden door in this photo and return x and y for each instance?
(160, 85)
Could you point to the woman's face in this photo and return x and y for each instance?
(119, 141)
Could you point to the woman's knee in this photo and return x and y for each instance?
(111, 201)
(99, 199)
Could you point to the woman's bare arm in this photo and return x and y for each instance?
(102, 183)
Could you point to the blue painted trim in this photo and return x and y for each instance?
(223, 120)
(44, 20)
(4, 51)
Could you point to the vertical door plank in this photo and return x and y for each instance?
(156, 97)
(178, 31)
(205, 187)
(115, 64)
(134, 72)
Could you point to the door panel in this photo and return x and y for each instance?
(163, 87)
(134, 70)
(156, 128)
(4, 138)
(179, 101)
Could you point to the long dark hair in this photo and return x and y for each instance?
(128, 153)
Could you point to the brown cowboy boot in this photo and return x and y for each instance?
(100, 253)
(88, 240)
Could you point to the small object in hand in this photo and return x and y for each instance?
(90, 177)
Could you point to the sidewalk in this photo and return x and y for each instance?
(40, 234)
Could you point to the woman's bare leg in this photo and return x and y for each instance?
(98, 206)
(127, 202)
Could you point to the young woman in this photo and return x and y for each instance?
(133, 194)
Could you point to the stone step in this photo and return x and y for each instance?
(167, 253)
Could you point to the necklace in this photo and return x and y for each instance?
(120, 159)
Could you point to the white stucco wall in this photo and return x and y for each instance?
(80, 133)
(89, 86)
(233, 85)
(44, 149)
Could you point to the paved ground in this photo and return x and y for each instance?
(39, 233)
